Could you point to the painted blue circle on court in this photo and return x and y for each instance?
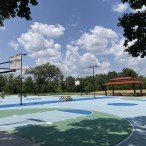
(32, 98)
(122, 104)
(84, 112)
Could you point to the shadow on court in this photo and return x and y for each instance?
(49, 102)
(138, 137)
(8, 139)
(93, 132)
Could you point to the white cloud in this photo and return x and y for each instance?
(39, 43)
(140, 10)
(14, 45)
(120, 7)
(123, 57)
(125, 60)
(88, 50)
(76, 64)
(2, 28)
(51, 31)
(98, 40)
(34, 42)
(105, 42)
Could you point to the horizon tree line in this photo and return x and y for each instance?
(48, 78)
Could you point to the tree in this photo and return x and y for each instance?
(129, 72)
(56, 85)
(134, 27)
(100, 80)
(12, 8)
(12, 84)
(88, 88)
(28, 85)
(112, 74)
(70, 84)
(43, 73)
(144, 82)
(2, 82)
(87, 83)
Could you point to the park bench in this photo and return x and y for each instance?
(65, 98)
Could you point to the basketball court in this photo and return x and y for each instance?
(84, 121)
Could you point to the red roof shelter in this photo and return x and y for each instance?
(123, 81)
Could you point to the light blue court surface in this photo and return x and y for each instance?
(133, 110)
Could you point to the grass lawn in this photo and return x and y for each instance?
(131, 98)
(97, 129)
(128, 92)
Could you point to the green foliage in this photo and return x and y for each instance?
(12, 8)
(2, 82)
(44, 73)
(134, 27)
(128, 72)
(53, 86)
(101, 79)
(112, 74)
(70, 84)
(88, 88)
(28, 85)
(12, 85)
(87, 84)
(49, 79)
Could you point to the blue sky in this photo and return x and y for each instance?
(72, 34)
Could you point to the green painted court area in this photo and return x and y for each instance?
(8, 113)
(96, 129)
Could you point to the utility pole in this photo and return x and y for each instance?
(21, 77)
(81, 86)
(93, 67)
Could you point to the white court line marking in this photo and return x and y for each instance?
(49, 123)
(15, 115)
(133, 129)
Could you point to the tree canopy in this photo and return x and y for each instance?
(70, 84)
(127, 72)
(134, 28)
(12, 8)
(45, 72)
(48, 78)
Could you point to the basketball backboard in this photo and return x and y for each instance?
(15, 62)
(77, 83)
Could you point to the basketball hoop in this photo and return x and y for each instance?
(77, 83)
(15, 63)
